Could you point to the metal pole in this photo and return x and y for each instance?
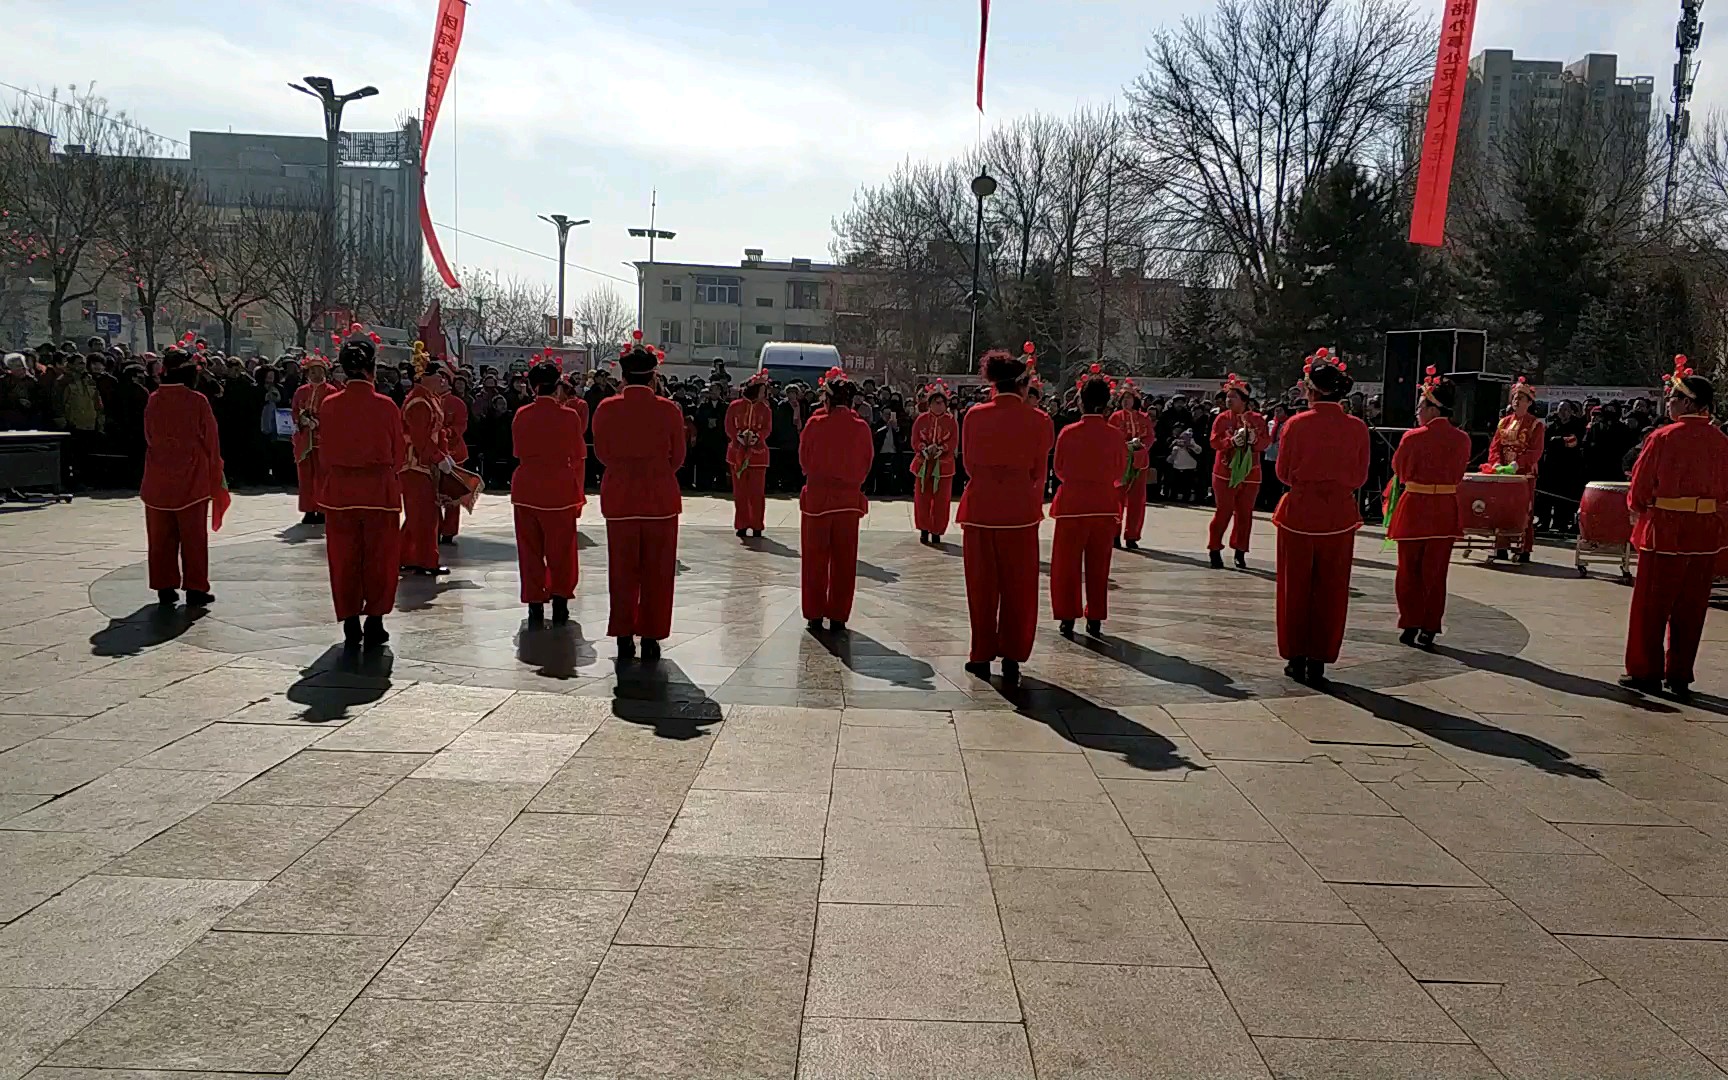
(983, 186)
(1104, 255)
(332, 135)
(563, 237)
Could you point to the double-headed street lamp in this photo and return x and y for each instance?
(563, 224)
(324, 90)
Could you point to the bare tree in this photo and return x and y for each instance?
(290, 238)
(151, 237)
(224, 272)
(603, 319)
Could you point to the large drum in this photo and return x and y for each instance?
(1494, 503)
(1604, 518)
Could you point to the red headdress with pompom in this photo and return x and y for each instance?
(1431, 383)
(1093, 374)
(759, 378)
(1324, 357)
(1234, 382)
(1524, 387)
(936, 388)
(833, 374)
(1676, 383)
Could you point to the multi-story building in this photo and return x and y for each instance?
(1504, 89)
(698, 312)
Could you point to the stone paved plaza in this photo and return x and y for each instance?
(227, 850)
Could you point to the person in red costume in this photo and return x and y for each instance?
(304, 405)
(183, 490)
(546, 495)
(835, 451)
(1091, 457)
(749, 419)
(935, 438)
(360, 438)
(639, 438)
(1680, 493)
(1239, 437)
(1323, 460)
(456, 445)
(428, 454)
(1427, 468)
(1006, 445)
(1518, 442)
(1136, 428)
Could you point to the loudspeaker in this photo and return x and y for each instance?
(1410, 353)
(1482, 399)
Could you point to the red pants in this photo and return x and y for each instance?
(1671, 598)
(419, 521)
(450, 521)
(363, 548)
(1133, 499)
(307, 468)
(1082, 545)
(641, 562)
(1232, 502)
(830, 564)
(1313, 594)
(179, 547)
(749, 510)
(1001, 591)
(546, 553)
(930, 505)
(1421, 583)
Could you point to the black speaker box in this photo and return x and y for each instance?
(1482, 399)
(1409, 353)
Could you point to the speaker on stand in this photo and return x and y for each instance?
(1410, 353)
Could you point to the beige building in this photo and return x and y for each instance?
(698, 312)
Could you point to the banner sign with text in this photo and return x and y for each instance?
(446, 41)
(1440, 136)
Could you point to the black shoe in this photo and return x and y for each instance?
(351, 635)
(1241, 560)
(650, 649)
(1116, 543)
(1425, 640)
(447, 541)
(757, 533)
(1065, 627)
(1501, 554)
(923, 537)
(375, 634)
(1133, 545)
(1316, 673)
(1679, 691)
(1521, 558)
(742, 533)
(1643, 686)
(1296, 669)
(1217, 560)
(626, 647)
(813, 625)
(1095, 627)
(1011, 672)
(167, 597)
(1408, 637)
(318, 518)
(536, 614)
(199, 599)
(308, 518)
(837, 626)
(980, 668)
(560, 611)
(431, 571)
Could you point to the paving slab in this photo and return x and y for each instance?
(437, 1040)
(724, 902)
(569, 851)
(1232, 879)
(897, 962)
(1463, 935)
(235, 841)
(865, 863)
(1090, 916)
(842, 1049)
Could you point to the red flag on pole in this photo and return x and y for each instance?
(983, 40)
(446, 41)
(1440, 136)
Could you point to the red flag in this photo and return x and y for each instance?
(446, 41)
(983, 40)
(1440, 136)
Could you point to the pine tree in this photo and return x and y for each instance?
(1203, 342)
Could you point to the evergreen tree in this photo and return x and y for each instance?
(1202, 341)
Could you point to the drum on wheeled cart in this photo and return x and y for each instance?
(1605, 527)
(1495, 510)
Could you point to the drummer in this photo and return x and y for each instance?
(1518, 443)
(1429, 465)
(1679, 488)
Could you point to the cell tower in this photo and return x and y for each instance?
(1687, 34)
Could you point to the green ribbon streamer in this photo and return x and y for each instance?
(1394, 491)
(1241, 464)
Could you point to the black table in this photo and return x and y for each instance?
(30, 459)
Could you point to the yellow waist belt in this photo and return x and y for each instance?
(1431, 489)
(1687, 506)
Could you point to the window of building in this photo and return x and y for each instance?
(814, 335)
(764, 330)
(804, 295)
(718, 290)
(671, 292)
(671, 332)
(720, 332)
(764, 301)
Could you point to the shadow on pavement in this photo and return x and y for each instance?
(340, 680)
(1061, 710)
(864, 655)
(146, 628)
(554, 652)
(1529, 671)
(659, 695)
(1162, 666)
(1459, 731)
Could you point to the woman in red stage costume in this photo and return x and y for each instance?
(748, 423)
(360, 438)
(1137, 430)
(184, 492)
(1091, 457)
(546, 495)
(1239, 437)
(1422, 510)
(308, 396)
(1517, 444)
(1680, 493)
(456, 445)
(428, 453)
(1006, 446)
(836, 452)
(935, 438)
(1323, 460)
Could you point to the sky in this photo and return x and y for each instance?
(756, 120)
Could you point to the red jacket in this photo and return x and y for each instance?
(1091, 457)
(932, 430)
(361, 450)
(1518, 442)
(1435, 455)
(1134, 424)
(304, 405)
(639, 437)
(753, 416)
(1323, 459)
(455, 427)
(183, 453)
(423, 427)
(1006, 444)
(835, 452)
(1224, 442)
(1682, 461)
(546, 438)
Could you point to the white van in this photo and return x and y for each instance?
(797, 361)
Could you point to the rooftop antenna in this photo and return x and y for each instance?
(1687, 35)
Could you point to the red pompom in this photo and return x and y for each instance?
(636, 335)
(374, 338)
(1028, 348)
(1432, 370)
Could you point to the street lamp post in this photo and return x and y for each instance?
(563, 224)
(652, 233)
(983, 186)
(320, 87)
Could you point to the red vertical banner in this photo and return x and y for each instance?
(446, 41)
(983, 42)
(1440, 135)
